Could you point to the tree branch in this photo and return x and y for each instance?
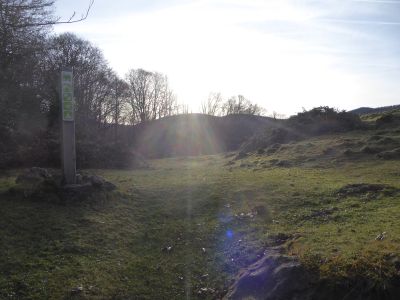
(56, 22)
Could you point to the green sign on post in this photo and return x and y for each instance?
(68, 126)
(67, 96)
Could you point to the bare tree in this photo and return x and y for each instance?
(94, 81)
(120, 100)
(212, 105)
(276, 115)
(241, 105)
(24, 28)
(21, 50)
(140, 88)
(38, 13)
(149, 95)
(168, 105)
(183, 109)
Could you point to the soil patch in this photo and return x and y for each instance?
(362, 189)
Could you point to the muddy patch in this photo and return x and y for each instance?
(324, 214)
(365, 189)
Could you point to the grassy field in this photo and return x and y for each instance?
(183, 228)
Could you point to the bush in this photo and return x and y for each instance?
(21, 149)
(323, 120)
(388, 120)
(91, 154)
(318, 121)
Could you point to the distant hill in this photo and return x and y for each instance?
(196, 134)
(315, 122)
(370, 110)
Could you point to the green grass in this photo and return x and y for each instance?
(372, 117)
(112, 246)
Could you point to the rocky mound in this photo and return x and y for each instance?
(280, 277)
(316, 122)
(195, 134)
(274, 276)
(43, 184)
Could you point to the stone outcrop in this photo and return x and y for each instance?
(42, 184)
(274, 276)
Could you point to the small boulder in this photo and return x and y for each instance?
(167, 249)
(33, 176)
(381, 236)
(79, 178)
(274, 276)
(41, 184)
(99, 182)
(36, 183)
(241, 155)
(76, 191)
(260, 210)
(77, 290)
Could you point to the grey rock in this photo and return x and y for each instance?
(241, 155)
(205, 290)
(274, 276)
(76, 190)
(260, 210)
(381, 236)
(33, 176)
(77, 290)
(99, 182)
(167, 249)
(79, 178)
(35, 183)
(40, 184)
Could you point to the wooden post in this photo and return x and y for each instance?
(68, 126)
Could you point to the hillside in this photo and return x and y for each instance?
(377, 110)
(196, 134)
(318, 209)
(185, 227)
(316, 122)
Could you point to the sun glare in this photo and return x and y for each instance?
(256, 48)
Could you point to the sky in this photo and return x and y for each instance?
(284, 55)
